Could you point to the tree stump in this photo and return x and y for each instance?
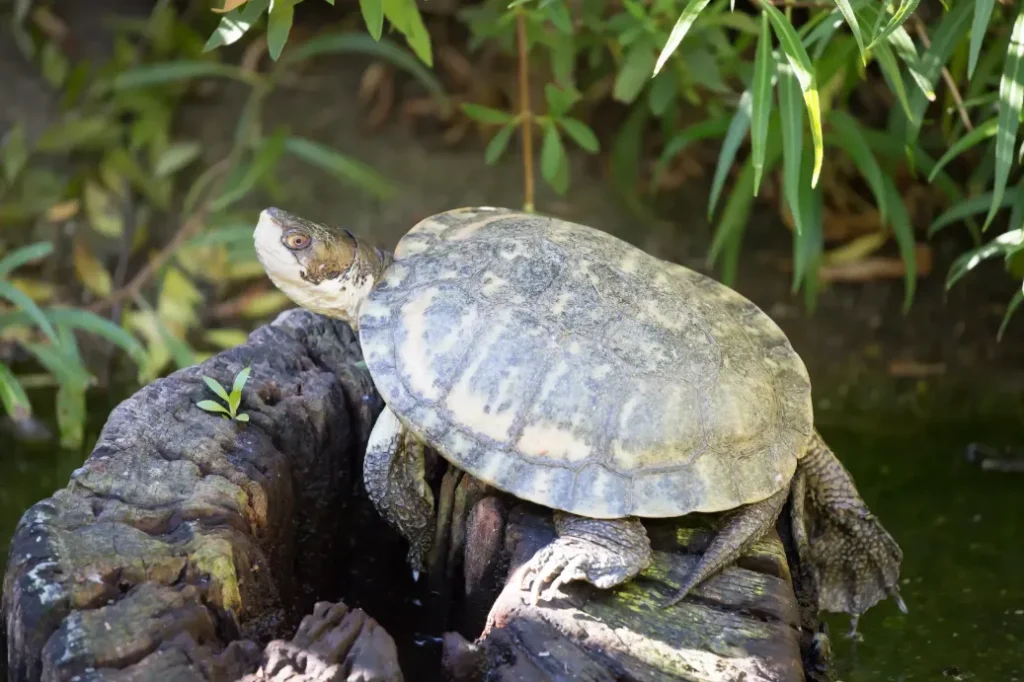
(187, 542)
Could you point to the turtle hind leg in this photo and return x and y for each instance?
(854, 560)
(394, 475)
(603, 552)
(746, 526)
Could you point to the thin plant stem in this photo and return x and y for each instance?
(525, 112)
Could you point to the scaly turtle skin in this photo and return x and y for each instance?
(566, 367)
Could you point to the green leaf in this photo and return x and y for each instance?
(342, 166)
(903, 231)
(217, 388)
(212, 406)
(22, 300)
(887, 62)
(972, 206)
(807, 243)
(25, 254)
(373, 15)
(486, 114)
(66, 369)
(405, 16)
(78, 132)
(906, 8)
(634, 72)
(581, 134)
(982, 14)
(1011, 308)
(91, 322)
(496, 147)
(792, 146)
(279, 25)
(904, 46)
(71, 415)
(241, 417)
(13, 395)
(160, 73)
(553, 161)
(236, 388)
(234, 24)
(360, 43)
(851, 20)
(270, 151)
(176, 157)
(804, 70)
(14, 151)
(981, 132)
(738, 128)
(1011, 100)
(559, 100)
(764, 65)
(682, 26)
(967, 261)
(712, 127)
(944, 38)
(852, 141)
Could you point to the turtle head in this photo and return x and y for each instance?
(322, 268)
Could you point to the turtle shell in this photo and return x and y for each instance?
(569, 368)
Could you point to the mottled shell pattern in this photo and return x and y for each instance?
(571, 369)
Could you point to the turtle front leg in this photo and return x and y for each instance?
(604, 552)
(394, 475)
(854, 560)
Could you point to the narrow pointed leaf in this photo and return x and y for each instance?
(903, 231)
(969, 260)
(808, 243)
(240, 380)
(212, 406)
(762, 99)
(851, 20)
(12, 395)
(22, 300)
(792, 142)
(972, 206)
(849, 136)
(496, 147)
(982, 14)
(91, 322)
(693, 133)
(581, 134)
(25, 254)
(797, 56)
(373, 15)
(683, 23)
(906, 8)
(279, 25)
(903, 45)
(887, 62)
(1011, 308)
(1011, 100)
(738, 128)
(216, 388)
(945, 37)
(980, 133)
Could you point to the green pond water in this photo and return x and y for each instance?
(961, 529)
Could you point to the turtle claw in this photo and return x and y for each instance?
(553, 566)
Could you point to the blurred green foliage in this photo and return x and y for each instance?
(813, 98)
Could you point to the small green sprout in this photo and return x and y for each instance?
(233, 400)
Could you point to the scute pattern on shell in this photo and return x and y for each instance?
(571, 369)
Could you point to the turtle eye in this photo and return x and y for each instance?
(296, 241)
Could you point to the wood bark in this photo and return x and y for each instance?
(190, 547)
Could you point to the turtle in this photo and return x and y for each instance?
(566, 367)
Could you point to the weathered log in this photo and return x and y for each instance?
(743, 624)
(186, 542)
(184, 531)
